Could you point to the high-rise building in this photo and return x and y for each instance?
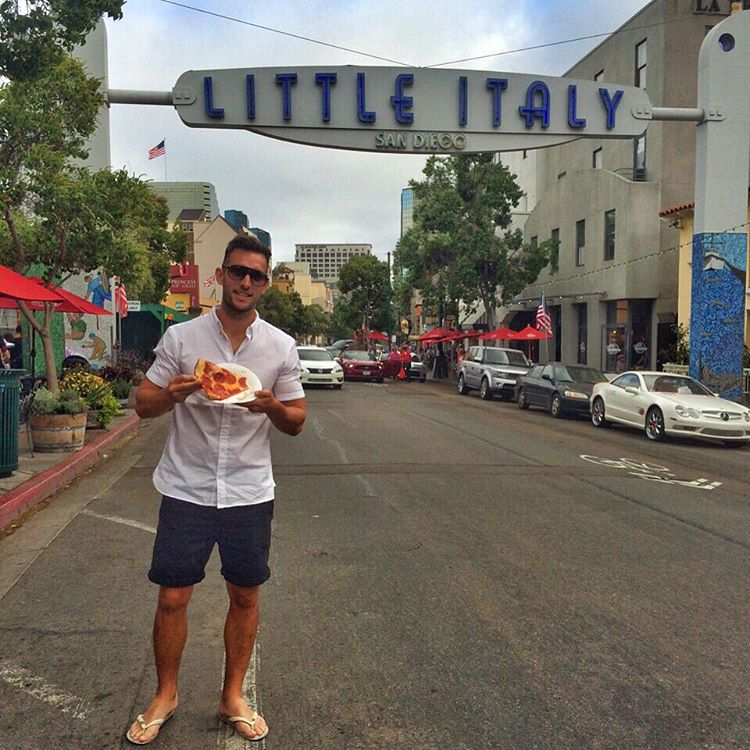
(236, 218)
(181, 195)
(407, 210)
(326, 260)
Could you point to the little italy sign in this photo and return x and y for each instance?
(407, 110)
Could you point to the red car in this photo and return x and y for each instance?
(359, 365)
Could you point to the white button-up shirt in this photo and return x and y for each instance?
(217, 454)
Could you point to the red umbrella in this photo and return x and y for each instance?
(377, 336)
(458, 336)
(531, 334)
(434, 334)
(66, 301)
(14, 286)
(499, 334)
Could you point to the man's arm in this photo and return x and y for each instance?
(286, 416)
(153, 401)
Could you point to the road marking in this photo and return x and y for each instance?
(650, 472)
(120, 519)
(320, 432)
(42, 690)
(228, 738)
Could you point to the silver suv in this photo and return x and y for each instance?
(492, 370)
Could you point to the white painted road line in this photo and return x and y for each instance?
(230, 739)
(50, 694)
(120, 519)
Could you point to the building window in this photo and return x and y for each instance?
(609, 234)
(554, 256)
(534, 242)
(580, 242)
(639, 158)
(599, 76)
(640, 64)
(597, 160)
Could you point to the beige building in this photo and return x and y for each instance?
(612, 290)
(294, 276)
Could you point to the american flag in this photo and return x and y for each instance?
(158, 150)
(121, 300)
(543, 320)
(210, 280)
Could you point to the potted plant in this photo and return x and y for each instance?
(103, 406)
(56, 421)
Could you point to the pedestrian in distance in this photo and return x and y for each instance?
(216, 479)
(406, 362)
(395, 357)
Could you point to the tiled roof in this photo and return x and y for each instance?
(677, 209)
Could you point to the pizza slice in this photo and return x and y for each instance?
(218, 382)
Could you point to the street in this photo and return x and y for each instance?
(446, 573)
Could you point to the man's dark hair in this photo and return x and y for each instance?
(250, 243)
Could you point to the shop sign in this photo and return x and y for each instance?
(409, 110)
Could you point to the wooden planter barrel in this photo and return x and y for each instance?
(57, 433)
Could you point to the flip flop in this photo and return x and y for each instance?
(144, 726)
(233, 720)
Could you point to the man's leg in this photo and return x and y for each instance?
(240, 629)
(170, 634)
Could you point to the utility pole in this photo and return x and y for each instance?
(390, 296)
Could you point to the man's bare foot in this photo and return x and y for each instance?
(255, 728)
(159, 708)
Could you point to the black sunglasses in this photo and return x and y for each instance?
(238, 273)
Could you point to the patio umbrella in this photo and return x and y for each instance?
(499, 334)
(66, 302)
(434, 334)
(377, 336)
(14, 286)
(530, 334)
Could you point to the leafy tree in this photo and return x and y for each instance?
(316, 321)
(460, 247)
(35, 40)
(277, 308)
(54, 214)
(364, 281)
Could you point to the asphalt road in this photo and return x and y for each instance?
(447, 573)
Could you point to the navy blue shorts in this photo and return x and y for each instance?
(187, 533)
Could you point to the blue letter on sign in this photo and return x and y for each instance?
(611, 105)
(399, 102)
(208, 99)
(573, 120)
(496, 85)
(530, 112)
(362, 113)
(286, 80)
(250, 89)
(326, 80)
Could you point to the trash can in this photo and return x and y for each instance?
(10, 389)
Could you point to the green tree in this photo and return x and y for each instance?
(316, 321)
(55, 214)
(364, 281)
(460, 247)
(277, 308)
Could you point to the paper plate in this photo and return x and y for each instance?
(253, 383)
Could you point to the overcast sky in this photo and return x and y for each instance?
(305, 194)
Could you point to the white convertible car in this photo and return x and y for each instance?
(664, 404)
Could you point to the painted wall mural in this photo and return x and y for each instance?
(91, 336)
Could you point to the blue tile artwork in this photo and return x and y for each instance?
(717, 312)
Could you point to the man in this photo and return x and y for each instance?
(215, 477)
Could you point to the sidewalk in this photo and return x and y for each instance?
(40, 475)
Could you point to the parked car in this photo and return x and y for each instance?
(392, 367)
(317, 367)
(493, 370)
(663, 404)
(562, 389)
(337, 347)
(418, 368)
(360, 365)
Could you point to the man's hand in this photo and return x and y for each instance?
(182, 386)
(151, 400)
(286, 416)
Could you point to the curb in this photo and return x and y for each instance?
(20, 499)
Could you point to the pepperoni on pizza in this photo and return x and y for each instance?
(218, 382)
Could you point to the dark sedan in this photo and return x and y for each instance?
(564, 390)
(360, 365)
